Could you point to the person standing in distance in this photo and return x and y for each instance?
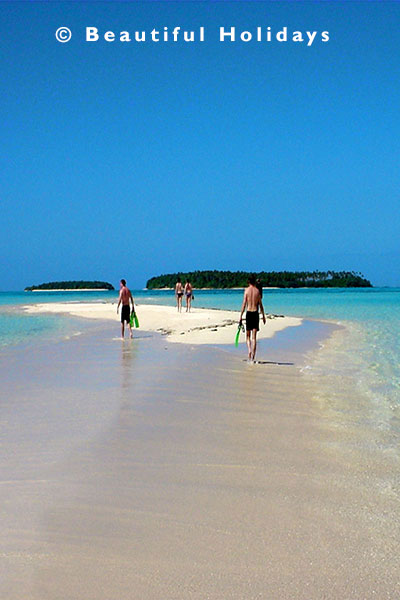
(252, 303)
(125, 297)
(179, 294)
(188, 294)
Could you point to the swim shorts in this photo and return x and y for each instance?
(252, 320)
(125, 313)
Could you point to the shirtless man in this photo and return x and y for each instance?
(252, 302)
(124, 297)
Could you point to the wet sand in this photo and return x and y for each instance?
(148, 470)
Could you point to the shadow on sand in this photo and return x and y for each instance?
(270, 362)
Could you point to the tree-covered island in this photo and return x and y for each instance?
(70, 285)
(277, 279)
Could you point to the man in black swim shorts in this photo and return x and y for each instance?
(125, 297)
(126, 313)
(253, 303)
(252, 320)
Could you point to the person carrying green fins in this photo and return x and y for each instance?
(126, 298)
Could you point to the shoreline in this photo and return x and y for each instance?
(73, 290)
(169, 289)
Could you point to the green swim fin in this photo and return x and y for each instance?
(237, 336)
(134, 319)
(240, 327)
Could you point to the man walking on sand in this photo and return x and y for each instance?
(125, 297)
(253, 303)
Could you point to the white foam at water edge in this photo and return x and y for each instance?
(68, 337)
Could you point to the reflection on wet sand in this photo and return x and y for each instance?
(128, 353)
(184, 473)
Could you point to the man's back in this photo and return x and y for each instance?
(125, 295)
(253, 298)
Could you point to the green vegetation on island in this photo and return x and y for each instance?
(279, 279)
(71, 285)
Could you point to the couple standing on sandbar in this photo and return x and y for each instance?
(181, 291)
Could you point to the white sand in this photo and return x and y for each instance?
(201, 326)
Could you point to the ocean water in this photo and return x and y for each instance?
(365, 354)
(18, 327)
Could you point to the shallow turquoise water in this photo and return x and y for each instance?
(377, 307)
(16, 326)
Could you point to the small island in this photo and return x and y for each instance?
(68, 286)
(271, 279)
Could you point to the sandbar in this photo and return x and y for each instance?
(200, 326)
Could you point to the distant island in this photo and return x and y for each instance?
(277, 279)
(70, 285)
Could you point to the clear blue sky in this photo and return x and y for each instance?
(130, 160)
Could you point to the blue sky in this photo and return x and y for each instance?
(130, 160)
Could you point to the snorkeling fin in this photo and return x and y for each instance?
(134, 319)
(240, 327)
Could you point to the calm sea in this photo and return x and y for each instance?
(365, 355)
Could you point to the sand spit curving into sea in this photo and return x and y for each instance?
(200, 326)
